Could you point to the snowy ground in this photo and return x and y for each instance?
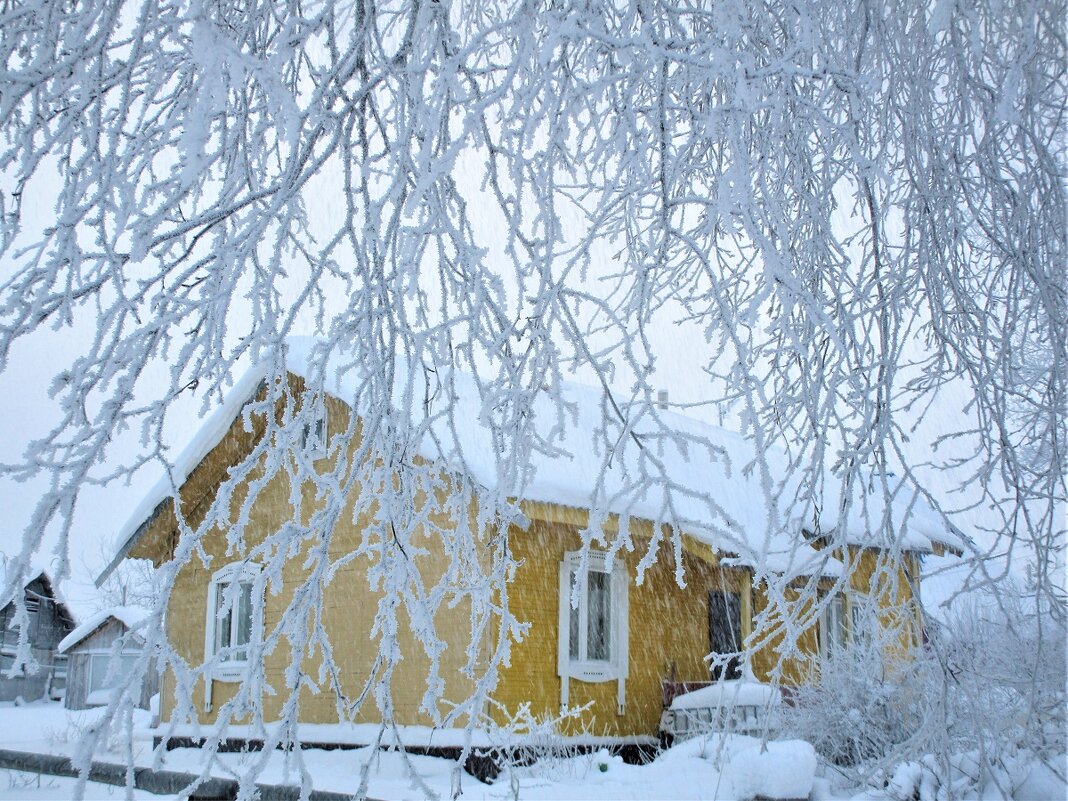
(18, 786)
(685, 772)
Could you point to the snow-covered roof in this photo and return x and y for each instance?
(129, 616)
(36, 570)
(717, 499)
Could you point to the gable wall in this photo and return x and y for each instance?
(103, 638)
(47, 627)
(348, 609)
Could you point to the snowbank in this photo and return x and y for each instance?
(783, 769)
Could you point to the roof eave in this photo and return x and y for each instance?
(130, 544)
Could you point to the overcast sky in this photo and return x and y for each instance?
(27, 411)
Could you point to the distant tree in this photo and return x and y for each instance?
(134, 582)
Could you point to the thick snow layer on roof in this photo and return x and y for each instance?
(129, 616)
(709, 465)
(719, 496)
(721, 469)
(733, 692)
(951, 586)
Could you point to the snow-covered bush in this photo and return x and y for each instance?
(981, 705)
(534, 743)
(858, 709)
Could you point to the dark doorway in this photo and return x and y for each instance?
(725, 633)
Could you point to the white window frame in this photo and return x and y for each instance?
(226, 667)
(615, 668)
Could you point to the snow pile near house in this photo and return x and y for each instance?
(129, 616)
(735, 692)
(783, 769)
(1020, 776)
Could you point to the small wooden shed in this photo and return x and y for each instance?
(100, 653)
(49, 622)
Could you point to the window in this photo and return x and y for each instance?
(590, 629)
(834, 633)
(846, 621)
(313, 434)
(725, 633)
(231, 626)
(593, 635)
(106, 672)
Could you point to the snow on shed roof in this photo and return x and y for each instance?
(730, 692)
(129, 616)
(717, 498)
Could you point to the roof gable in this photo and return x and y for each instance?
(718, 497)
(36, 573)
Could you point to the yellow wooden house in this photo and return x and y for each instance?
(611, 655)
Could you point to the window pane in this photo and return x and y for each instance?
(573, 638)
(106, 673)
(599, 623)
(243, 630)
(725, 632)
(223, 617)
(836, 623)
(98, 669)
(129, 661)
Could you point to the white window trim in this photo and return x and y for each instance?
(230, 670)
(593, 670)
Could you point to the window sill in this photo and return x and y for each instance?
(592, 671)
(231, 673)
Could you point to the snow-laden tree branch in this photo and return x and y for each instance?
(859, 206)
